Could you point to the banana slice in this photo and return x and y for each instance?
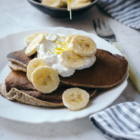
(63, 3)
(52, 3)
(31, 37)
(71, 60)
(83, 1)
(75, 98)
(33, 64)
(32, 48)
(69, 38)
(77, 4)
(45, 79)
(83, 45)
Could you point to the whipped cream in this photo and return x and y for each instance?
(54, 60)
(45, 51)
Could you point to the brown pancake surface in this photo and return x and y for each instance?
(20, 58)
(107, 71)
(20, 81)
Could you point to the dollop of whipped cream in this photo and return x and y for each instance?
(54, 60)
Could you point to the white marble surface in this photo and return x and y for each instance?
(18, 15)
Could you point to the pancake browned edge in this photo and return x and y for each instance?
(17, 87)
(19, 60)
(16, 67)
(108, 70)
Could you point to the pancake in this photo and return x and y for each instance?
(17, 87)
(20, 58)
(107, 71)
(17, 67)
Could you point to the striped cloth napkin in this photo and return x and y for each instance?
(125, 11)
(119, 122)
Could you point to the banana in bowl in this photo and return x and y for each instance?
(70, 4)
(61, 70)
(63, 11)
(74, 4)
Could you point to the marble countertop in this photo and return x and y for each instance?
(18, 16)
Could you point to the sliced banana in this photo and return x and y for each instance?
(83, 1)
(63, 3)
(71, 60)
(32, 48)
(52, 3)
(31, 37)
(75, 98)
(45, 79)
(77, 4)
(83, 45)
(33, 64)
(89, 61)
(70, 38)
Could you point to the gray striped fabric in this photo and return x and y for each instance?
(119, 122)
(125, 11)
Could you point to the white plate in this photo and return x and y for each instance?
(32, 114)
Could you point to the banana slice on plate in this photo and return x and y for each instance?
(45, 79)
(52, 3)
(83, 45)
(71, 60)
(33, 64)
(75, 98)
(32, 48)
(70, 38)
(78, 4)
(31, 37)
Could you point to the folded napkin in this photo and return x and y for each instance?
(125, 11)
(119, 122)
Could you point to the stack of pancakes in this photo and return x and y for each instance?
(108, 71)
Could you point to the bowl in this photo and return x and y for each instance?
(59, 12)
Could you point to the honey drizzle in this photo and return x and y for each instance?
(69, 8)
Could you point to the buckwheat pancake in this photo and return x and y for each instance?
(19, 60)
(108, 70)
(19, 57)
(17, 87)
(16, 67)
